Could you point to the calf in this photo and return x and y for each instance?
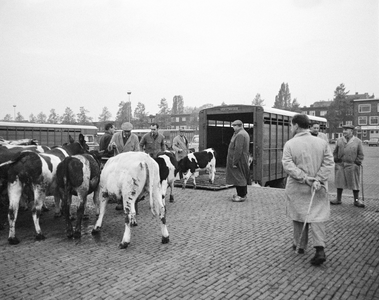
(168, 169)
(129, 175)
(37, 170)
(197, 161)
(77, 175)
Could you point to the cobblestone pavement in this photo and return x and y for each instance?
(218, 250)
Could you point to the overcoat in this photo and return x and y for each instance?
(306, 156)
(238, 155)
(104, 142)
(179, 143)
(132, 144)
(323, 136)
(348, 156)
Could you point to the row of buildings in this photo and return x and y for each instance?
(364, 115)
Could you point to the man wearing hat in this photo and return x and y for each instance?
(348, 156)
(124, 141)
(180, 145)
(237, 162)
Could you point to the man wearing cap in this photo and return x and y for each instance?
(124, 141)
(315, 131)
(348, 156)
(237, 162)
(180, 145)
(153, 142)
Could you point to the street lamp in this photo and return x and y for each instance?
(130, 105)
(14, 112)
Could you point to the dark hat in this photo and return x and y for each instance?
(237, 122)
(350, 126)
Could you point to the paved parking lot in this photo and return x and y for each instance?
(218, 250)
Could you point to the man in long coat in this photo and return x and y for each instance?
(237, 162)
(308, 161)
(180, 145)
(348, 156)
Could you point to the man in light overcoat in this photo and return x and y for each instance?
(348, 156)
(180, 145)
(308, 161)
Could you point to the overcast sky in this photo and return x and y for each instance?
(58, 54)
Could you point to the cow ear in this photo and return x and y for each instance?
(81, 137)
(71, 140)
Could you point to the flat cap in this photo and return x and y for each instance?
(127, 126)
(237, 122)
(350, 126)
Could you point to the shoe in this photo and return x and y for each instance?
(238, 199)
(358, 203)
(300, 251)
(319, 257)
(335, 202)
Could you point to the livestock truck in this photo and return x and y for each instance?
(268, 128)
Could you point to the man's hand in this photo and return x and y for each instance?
(316, 185)
(114, 145)
(309, 180)
(234, 167)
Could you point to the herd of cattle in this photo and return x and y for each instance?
(30, 173)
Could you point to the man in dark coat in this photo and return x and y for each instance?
(237, 164)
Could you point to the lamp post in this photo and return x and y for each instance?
(130, 106)
(14, 112)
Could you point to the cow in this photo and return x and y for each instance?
(130, 175)
(77, 175)
(37, 170)
(168, 170)
(196, 161)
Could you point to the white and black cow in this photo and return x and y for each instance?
(196, 161)
(130, 175)
(77, 175)
(168, 170)
(37, 170)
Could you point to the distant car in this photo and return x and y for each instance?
(194, 144)
(332, 141)
(365, 141)
(373, 142)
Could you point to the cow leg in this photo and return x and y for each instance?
(79, 216)
(171, 195)
(39, 198)
(161, 213)
(185, 179)
(96, 201)
(58, 208)
(130, 220)
(212, 172)
(102, 207)
(66, 205)
(14, 195)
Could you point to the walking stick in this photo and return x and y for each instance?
(306, 219)
(363, 191)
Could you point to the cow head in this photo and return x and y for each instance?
(83, 142)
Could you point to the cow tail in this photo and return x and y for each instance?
(62, 175)
(150, 182)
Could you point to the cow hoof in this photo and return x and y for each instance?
(45, 208)
(134, 224)
(77, 235)
(165, 240)
(72, 218)
(40, 237)
(69, 235)
(194, 187)
(96, 231)
(85, 217)
(13, 241)
(172, 201)
(210, 181)
(171, 198)
(183, 187)
(124, 245)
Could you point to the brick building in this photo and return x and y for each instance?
(366, 118)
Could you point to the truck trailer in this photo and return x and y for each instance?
(268, 128)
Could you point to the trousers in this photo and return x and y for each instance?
(317, 230)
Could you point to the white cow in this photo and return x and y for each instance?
(130, 175)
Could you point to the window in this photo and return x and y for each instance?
(183, 119)
(364, 108)
(323, 113)
(312, 113)
(364, 132)
(349, 122)
(340, 125)
(177, 119)
(362, 120)
(374, 120)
